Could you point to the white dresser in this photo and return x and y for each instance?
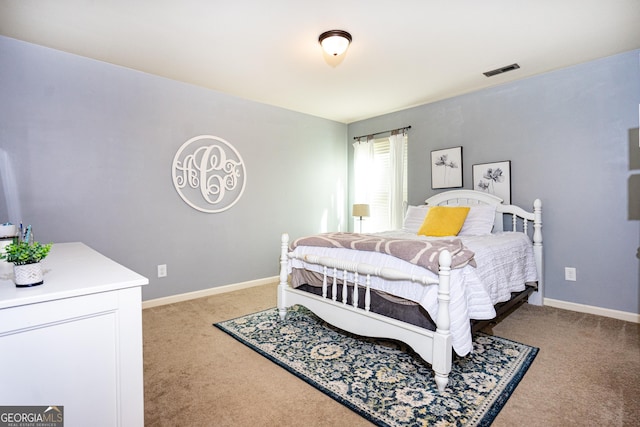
(76, 340)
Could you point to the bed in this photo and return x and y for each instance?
(424, 291)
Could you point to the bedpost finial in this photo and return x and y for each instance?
(537, 204)
(285, 237)
(445, 258)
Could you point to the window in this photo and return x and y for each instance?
(375, 186)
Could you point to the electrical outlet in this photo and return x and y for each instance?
(162, 270)
(570, 274)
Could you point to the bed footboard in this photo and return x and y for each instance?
(434, 347)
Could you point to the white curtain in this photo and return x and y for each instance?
(363, 169)
(396, 184)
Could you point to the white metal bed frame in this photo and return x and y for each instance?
(435, 347)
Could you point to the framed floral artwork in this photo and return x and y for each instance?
(446, 168)
(494, 178)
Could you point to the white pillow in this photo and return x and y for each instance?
(479, 220)
(414, 218)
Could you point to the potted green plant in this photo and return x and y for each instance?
(26, 258)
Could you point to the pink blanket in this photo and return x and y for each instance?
(424, 253)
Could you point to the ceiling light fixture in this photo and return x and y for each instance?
(335, 42)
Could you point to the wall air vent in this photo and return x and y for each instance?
(501, 70)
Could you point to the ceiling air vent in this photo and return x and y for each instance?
(501, 70)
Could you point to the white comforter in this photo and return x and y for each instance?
(505, 262)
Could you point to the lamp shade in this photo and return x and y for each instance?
(335, 42)
(361, 210)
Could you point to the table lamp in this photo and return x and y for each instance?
(361, 210)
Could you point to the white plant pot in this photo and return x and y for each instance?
(28, 275)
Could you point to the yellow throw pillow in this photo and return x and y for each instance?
(444, 221)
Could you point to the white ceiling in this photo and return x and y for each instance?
(404, 53)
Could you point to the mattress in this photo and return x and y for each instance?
(504, 263)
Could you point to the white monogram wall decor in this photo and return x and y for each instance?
(209, 174)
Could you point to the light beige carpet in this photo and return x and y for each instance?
(587, 372)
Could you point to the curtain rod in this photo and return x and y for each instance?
(384, 131)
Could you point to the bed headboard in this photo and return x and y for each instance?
(463, 198)
(516, 218)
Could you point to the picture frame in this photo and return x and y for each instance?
(446, 168)
(494, 178)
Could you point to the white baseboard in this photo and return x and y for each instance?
(207, 292)
(590, 309)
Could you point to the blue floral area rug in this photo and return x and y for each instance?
(382, 380)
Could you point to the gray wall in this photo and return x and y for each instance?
(91, 146)
(572, 137)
